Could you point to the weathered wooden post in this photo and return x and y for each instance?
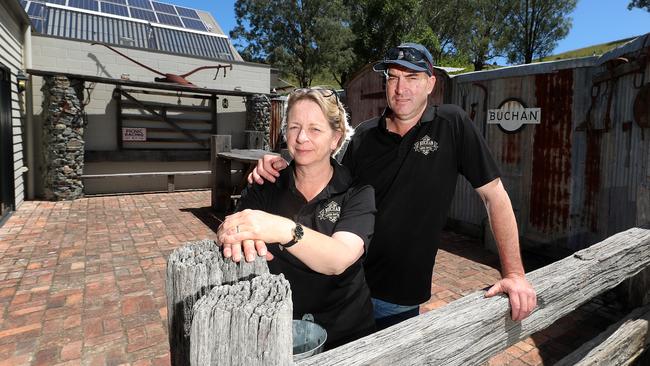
(192, 271)
(244, 324)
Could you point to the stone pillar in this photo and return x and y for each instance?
(63, 144)
(258, 116)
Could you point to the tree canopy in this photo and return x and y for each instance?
(306, 38)
(535, 26)
(639, 4)
(301, 38)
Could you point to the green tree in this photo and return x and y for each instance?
(380, 25)
(449, 22)
(535, 26)
(302, 38)
(639, 4)
(487, 36)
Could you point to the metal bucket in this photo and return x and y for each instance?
(308, 338)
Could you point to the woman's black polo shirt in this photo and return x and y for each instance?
(414, 178)
(340, 303)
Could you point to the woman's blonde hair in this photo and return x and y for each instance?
(330, 105)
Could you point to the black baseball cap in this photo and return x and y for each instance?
(413, 56)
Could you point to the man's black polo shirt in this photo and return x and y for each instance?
(340, 303)
(414, 179)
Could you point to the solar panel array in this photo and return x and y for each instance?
(150, 11)
(69, 22)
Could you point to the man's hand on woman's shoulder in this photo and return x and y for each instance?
(268, 168)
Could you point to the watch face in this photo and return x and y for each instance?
(298, 232)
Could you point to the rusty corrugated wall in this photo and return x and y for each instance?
(584, 173)
(551, 170)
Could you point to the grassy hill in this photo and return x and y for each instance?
(598, 49)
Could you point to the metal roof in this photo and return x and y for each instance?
(636, 44)
(526, 69)
(99, 21)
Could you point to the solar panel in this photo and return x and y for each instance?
(144, 4)
(187, 13)
(84, 4)
(115, 9)
(23, 3)
(194, 24)
(121, 2)
(165, 8)
(144, 15)
(169, 19)
(36, 10)
(58, 2)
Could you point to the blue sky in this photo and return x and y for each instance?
(594, 21)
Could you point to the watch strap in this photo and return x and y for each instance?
(297, 232)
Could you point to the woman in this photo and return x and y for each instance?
(321, 224)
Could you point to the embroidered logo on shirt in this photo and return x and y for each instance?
(331, 212)
(425, 145)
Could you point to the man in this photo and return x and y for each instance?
(412, 155)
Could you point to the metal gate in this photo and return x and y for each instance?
(6, 146)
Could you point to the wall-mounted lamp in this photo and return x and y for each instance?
(21, 78)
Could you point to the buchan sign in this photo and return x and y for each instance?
(134, 134)
(512, 115)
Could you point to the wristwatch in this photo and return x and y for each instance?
(297, 233)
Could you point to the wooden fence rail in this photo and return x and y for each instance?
(620, 343)
(470, 330)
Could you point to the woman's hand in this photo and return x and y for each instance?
(251, 229)
(251, 249)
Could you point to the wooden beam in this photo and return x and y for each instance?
(620, 344)
(164, 118)
(144, 174)
(141, 84)
(470, 330)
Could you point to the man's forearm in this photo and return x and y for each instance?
(504, 228)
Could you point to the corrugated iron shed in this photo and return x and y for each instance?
(583, 173)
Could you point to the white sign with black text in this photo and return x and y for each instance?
(134, 134)
(512, 116)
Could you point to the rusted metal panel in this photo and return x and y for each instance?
(551, 174)
(511, 151)
(278, 107)
(466, 206)
(365, 96)
(624, 164)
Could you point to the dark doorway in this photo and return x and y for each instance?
(6, 146)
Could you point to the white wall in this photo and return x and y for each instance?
(11, 56)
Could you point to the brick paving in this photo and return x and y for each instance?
(82, 282)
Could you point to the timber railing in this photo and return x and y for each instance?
(470, 330)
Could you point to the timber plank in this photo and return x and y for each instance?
(620, 344)
(470, 330)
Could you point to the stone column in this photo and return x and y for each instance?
(258, 117)
(63, 144)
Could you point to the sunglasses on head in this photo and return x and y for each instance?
(326, 93)
(408, 54)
